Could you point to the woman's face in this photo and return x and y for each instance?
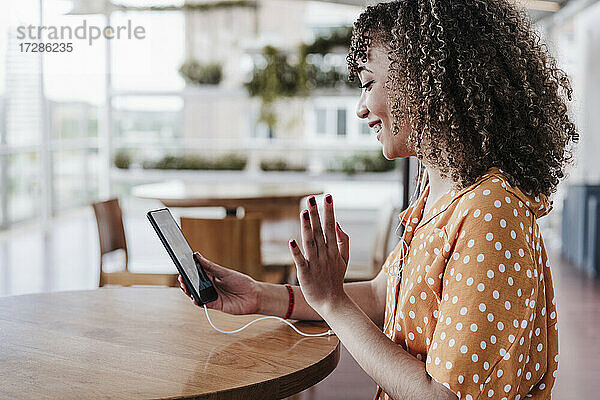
(373, 104)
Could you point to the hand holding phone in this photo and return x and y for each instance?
(193, 275)
(238, 293)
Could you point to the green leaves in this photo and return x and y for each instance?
(281, 78)
(201, 74)
(226, 162)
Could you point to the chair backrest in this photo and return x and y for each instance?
(110, 228)
(385, 238)
(230, 242)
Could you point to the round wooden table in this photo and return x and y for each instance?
(144, 343)
(270, 201)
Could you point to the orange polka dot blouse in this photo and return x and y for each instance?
(475, 301)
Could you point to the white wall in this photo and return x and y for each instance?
(573, 36)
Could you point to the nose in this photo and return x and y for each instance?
(361, 108)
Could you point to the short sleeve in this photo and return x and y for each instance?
(483, 333)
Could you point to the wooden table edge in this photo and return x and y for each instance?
(323, 368)
(280, 387)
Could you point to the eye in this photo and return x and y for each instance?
(367, 85)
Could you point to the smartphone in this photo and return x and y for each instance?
(194, 277)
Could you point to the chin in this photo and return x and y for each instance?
(391, 152)
(392, 149)
(387, 147)
(387, 154)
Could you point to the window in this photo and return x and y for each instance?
(341, 122)
(321, 117)
(146, 119)
(23, 186)
(75, 177)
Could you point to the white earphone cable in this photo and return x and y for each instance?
(398, 263)
(328, 333)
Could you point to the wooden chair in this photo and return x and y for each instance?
(231, 242)
(385, 241)
(385, 237)
(278, 224)
(111, 234)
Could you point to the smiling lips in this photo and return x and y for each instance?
(376, 126)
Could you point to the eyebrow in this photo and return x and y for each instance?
(363, 68)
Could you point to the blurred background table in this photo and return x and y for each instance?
(267, 201)
(150, 343)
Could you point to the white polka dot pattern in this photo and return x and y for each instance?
(476, 302)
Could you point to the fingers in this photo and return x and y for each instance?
(308, 238)
(329, 224)
(184, 288)
(317, 243)
(299, 260)
(206, 264)
(315, 222)
(212, 271)
(343, 243)
(182, 285)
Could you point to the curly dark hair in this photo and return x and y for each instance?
(476, 86)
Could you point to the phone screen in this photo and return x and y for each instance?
(173, 238)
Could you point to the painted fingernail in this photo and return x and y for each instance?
(293, 243)
(312, 201)
(305, 214)
(328, 198)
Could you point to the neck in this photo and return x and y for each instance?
(438, 185)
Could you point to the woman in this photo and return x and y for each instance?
(464, 86)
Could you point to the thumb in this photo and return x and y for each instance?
(209, 266)
(343, 242)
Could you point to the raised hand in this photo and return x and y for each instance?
(322, 267)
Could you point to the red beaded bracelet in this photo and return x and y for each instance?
(291, 305)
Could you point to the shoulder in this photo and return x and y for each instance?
(491, 219)
(490, 202)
